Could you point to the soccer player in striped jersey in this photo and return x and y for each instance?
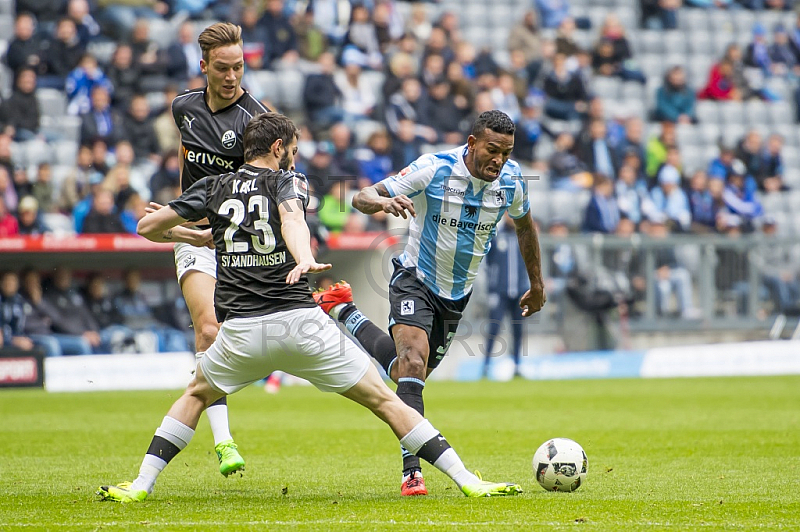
(456, 199)
(211, 122)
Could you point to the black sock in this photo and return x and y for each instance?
(221, 401)
(409, 390)
(377, 343)
(163, 448)
(433, 449)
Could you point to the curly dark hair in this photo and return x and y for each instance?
(497, 121)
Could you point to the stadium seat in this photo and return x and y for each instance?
(698, 69)
(36, 152)
(499, 15)
(162, 33)
(688, 135)
(709, 133)
(6, 25)
(781, 113)
(627, 17)
(470, 13)
(756, 112)
(632, 90)
(699, 41)
(693, 19)
(52, 102)
(156, 100)
(606, 88)
(66, 127)
(709, 153)
(267, 82)
(743, 21)
(731, 112)
(651, 42)
(290, 88)
(652, 65)
(60, 172)
(707, 112)
(675, 42)
(375, 80)
(720, 21)
(791, 177)
(364, 128)
(540, 209)
(785, 227)
(791, 159)
(64, 152)
(692, 157)
(499, 38)
(586, 39)
(103, 50)
(58, 223)
(733, 133)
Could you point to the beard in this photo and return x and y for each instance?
(285, 162)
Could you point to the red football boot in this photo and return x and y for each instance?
(335, 294)
(413, 485)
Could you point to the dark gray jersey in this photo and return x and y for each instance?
(252, 258)
(212, 143)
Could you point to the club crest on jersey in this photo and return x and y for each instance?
(228, 139)
(300, 186)
(500, 197)
(407, 307)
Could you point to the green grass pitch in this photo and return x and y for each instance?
(663, 454)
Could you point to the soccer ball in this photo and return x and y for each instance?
(560, 464)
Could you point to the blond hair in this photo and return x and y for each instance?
(219, 35)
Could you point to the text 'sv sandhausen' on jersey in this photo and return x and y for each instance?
(252, 258)
(212, 142)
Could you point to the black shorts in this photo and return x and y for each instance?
(413, 303)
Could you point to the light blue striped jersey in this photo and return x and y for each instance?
(457, 217)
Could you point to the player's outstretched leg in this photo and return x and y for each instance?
(198, 291)
(418, 436)
(337, 300)
(174, 434)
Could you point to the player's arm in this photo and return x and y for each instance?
(393, 194)
(298, 240)
(164, 225)
(376, 198)
(528, 238)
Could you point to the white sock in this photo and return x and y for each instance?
(448, 462)
(451, 465)
(336, 310)
(174, 432)
(218, 419)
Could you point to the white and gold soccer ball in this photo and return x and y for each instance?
(560, 464)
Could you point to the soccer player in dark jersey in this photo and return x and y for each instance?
(270, 321)
(211, 121)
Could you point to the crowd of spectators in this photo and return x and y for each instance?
(63, 318)
(434, 83)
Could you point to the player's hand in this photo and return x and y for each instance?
(305, 267)
(533, 301)
(153, 207)
(205, 239)
(398, 206)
